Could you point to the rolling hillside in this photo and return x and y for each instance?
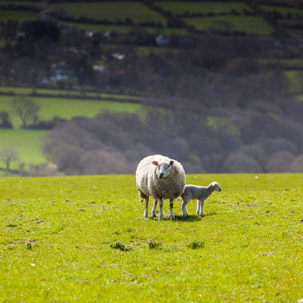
(208, 57)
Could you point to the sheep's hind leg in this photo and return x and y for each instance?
(201, 207)
(198, 207)
(171, 205)
(146, 207)
(154, 208)
(183, 206)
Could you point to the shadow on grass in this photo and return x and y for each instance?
(189, 218)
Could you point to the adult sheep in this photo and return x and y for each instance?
(161, 178)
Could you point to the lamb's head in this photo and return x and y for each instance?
(215, 186)
(163, 169)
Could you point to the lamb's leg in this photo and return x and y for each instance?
(146, 207)
(154, 208)
(171, 205)
(198, 207)
(183, 206)
(161, 209)
(202, 205)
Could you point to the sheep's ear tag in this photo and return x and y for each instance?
(171, 162)
(155, 163)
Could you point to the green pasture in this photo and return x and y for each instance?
(299, 98)
(56, 92)
(17, 2)
(17, 15)
(135, 11)
(125, 28)
(178, 8)
(68, 108)
(249, 24)
(84, 239)
(295, 81)
(282, 10)
(28, 143)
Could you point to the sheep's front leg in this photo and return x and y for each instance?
(146, 207)
(154, 208)
(198, 207)
(201, 207)
(171, 205)
(161, 209)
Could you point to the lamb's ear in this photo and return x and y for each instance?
(155, 163)
(171, 162)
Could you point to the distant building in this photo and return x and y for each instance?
(60, 73)
(161, 40)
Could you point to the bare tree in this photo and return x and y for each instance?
(8, 154)
(26, 109)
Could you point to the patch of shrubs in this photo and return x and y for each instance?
(196, 245)
(152, 244)
(120, 246)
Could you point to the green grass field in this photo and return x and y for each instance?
(125, 29)
(178, 8)
(68, 108)
(28, 142)
(56, 92)
(58, 237)
(136, 11)
(250, 25)
(20, 16)
(281, 10)
(295, 81)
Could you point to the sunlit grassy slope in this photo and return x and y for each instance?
(29, 142)
(84, 239)
(68, 108)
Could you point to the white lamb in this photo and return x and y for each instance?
(161, 178)
(200, 193)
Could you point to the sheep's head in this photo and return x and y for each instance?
(163, 169)
(215, 186)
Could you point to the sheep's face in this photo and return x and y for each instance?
(163, 169)
(216, 186)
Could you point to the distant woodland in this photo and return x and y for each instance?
(209, 101)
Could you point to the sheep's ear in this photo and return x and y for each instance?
(155, 163)
(171, 162)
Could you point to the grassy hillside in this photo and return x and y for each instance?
(281, 10)
(124, 28)
(61, 92)
(178, 8)
(29, 142)
(68, 108)
(20, 16)
(84, 239)
(136, 11)
(248, 24)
